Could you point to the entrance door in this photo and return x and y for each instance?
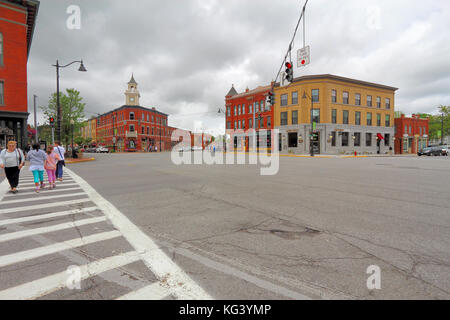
(315, 142)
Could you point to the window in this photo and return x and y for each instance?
(250, 123)
(235, 110)
(284, 120)
(239, 110)
(357, 118)
(315, 95)
(388, 103)
(2, 90)
(369, 101)
(378, 120)
(148, 131)
(315, 114)
(228, 125)
(243, 109)
(153, 118)
(410, 130)
(256, 106)
(261, 105)
(357, 140)
(131, 115)
(250, 108)
(143, 117)
(292, 139)
(284, 100)
(368, 139)
(345, 97)
(228, 111)
(369, 118)
(387, 139)
(243, 124)
(333, 139)
(333, 96)
(235, 125)
(345, 117)
(1, 49)
(153, 131)
(345, 139)
(131, 127)
(269, 122)
(295, 117)
(142, 130)
(357, 99)
(378, 102)
(295, 97)
(333, 116)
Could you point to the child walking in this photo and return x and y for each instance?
(37, 158)
(50, 166)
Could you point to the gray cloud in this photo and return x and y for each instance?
(186, 54)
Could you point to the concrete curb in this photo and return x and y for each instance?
(72, 161)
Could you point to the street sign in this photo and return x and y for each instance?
(303, 57)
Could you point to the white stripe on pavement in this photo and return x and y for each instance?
(155, 259)
(43, 206)
(43, 197)
(28, 184)
(57, 247)
(32, 232)
(152, 292)
(46, 216)
(47, 285)
(71, 185)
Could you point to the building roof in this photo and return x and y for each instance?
(132, 81)
(232, 92)
(32, 7)
(339, 78)
(253, 91)
(133, 107)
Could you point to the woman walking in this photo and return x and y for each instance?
(37, 159)
(12, 160)
(50, 166)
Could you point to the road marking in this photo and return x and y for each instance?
(54, 248)
(28, 184)
(43, 206)
(47, 285)
(70, 185)
(159, 263)
(152, 292)
(32, 232)
(47, 216)
(43, 197)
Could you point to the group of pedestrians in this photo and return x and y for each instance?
(52, 161)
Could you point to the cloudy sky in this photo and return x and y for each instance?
(186, 54)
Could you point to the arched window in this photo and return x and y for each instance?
(131, 115)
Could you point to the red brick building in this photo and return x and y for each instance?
(411, 134)
(17, 23)
(239, 114)
(132, 128)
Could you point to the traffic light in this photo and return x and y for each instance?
(289, 72)
(52, 121)
(270, 98)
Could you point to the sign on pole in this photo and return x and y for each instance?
(303, 57)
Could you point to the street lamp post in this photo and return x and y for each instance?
(72, 123)
(58, 104)
(311, 148)
(224, 139)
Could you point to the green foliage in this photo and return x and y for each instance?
(72, 109)
(436, 122)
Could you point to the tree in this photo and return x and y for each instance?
(435, 123)
(72, 109)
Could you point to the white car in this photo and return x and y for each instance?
(102, 150)
(197, 148)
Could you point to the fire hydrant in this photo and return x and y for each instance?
(356, 153)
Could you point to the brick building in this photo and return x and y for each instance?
(17, 23)
(241, 108)
(411, 134)
(131, 127)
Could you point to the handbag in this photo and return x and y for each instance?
(61, 161)
(18, 158)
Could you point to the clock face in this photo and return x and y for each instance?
(132, 99)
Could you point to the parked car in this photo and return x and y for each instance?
(445, 150)
(102, 150)
(430, 151)
(197, 148)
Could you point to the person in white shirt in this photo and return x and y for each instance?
(59, 150)
(12, 161)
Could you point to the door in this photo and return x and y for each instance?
(315, 142)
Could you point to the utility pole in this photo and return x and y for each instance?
(442, 128)
(36, 136)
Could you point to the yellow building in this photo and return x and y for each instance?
(89, 130)
(334, 115)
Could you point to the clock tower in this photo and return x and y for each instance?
(132, 94)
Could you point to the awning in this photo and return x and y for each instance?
(379, 136)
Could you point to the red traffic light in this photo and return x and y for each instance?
(52, 120)
(288, 65)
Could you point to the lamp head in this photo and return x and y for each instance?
(82, 68)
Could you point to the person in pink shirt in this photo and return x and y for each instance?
(50, 167)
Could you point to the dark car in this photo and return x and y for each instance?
(430, 151)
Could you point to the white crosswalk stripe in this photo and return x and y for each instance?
(23, 216)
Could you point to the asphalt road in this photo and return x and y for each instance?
(311, 231)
